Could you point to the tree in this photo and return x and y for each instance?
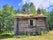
(25, 8)
(7, 18)
(18, 11)
(50, 20)
(44, 12)
(1, 21)
(32, 8)
(29, 8)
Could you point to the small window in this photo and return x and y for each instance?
(31, 22)
(36, 18)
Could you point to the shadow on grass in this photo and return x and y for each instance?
(6, 36)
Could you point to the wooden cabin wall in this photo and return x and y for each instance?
(41, 26)
(23, 25)
(15, 26)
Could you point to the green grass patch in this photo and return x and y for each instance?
(48, 36)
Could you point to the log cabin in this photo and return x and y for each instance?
(30, 23)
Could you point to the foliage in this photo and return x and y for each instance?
(6, 16)
(25, 8)
(18, 11)
(29, 8)
(32, 8)
(50, 20)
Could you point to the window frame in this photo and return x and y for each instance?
(34, 23)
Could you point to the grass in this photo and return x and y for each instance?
(48, 36)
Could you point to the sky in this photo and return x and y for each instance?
(37, 3)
